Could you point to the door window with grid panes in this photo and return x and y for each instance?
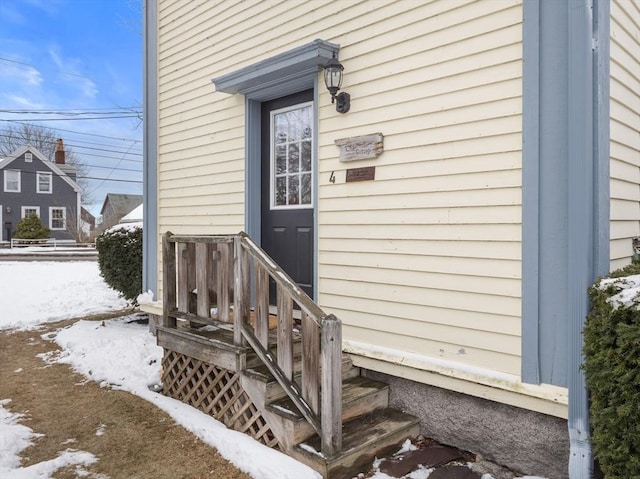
(291, 157)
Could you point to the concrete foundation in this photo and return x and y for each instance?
(526, 442)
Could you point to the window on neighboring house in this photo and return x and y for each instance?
(30, 210)
(12, 181)
(44, 180)
(57, 218)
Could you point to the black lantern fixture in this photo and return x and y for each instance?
(333, 80)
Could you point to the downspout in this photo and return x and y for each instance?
(588, 201)
(150, 149)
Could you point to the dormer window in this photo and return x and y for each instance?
(44, 182)
(12, 181)
(28, 157)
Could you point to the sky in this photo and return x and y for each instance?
(76, 66)
(123, 355)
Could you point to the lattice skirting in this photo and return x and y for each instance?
(215, 391)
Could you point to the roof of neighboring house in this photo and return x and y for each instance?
(122, 203)
(133, 216)
(4, 162)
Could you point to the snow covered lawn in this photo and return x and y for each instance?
(117, 353)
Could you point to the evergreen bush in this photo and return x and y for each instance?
(31, 227)
(120, 260)
(612, 371)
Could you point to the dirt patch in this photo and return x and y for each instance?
(131, 438)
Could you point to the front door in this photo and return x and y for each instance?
(287, 170)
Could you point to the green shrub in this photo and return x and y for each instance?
(31, 227)
(120, 260)
(612, 371)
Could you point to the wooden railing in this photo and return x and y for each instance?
(234, 273)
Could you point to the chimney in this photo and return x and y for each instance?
(59, 152)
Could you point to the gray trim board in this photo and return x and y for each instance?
(602, 139)
(150, 153)
(530, 192)
(565, 239)
(545, 241)
(287, 72)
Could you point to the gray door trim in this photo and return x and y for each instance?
(305, 78)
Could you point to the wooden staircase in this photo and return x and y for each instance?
(370, 427)
(255, 372)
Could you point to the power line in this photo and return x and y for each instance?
(72, 145)
(111, 168)
(36, 68)
(70, 119)
(71, 113)
(22, 172)
(127, 108)
(83, 133)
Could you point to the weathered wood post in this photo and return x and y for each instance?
(168, 280)
(331, 394)
(241, 290)
(311, 363)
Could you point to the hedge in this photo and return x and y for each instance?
(612, 371)
(120, 260)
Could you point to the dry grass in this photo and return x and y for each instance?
(139, 440)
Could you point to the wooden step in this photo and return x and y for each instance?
(273, 390)
(360, 396)
(363, 438)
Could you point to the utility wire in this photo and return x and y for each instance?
(22, 172)
(83, 133)
(73, 145)
(70, 119)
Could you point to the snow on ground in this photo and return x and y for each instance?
(35, 292)
(14, 438)
(116, 353)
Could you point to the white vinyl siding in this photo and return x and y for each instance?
(12, 181)
(57, 218)
(30, 210)
(425, 258)
(44, 182)
(625, 129)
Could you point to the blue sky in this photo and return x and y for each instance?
(80, 57)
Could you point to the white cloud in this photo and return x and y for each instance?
(11, 15)
(51, 7)
(69, 68)
(20, 73)
(24, 102)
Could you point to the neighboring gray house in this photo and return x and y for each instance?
(31, 183)
(116, 206)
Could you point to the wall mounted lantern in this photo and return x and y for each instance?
(8, 209)
(333, 80)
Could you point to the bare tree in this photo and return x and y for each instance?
(44, 139)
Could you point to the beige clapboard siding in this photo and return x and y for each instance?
(482, 358)
(625, 129)
(470, 320)
(457, 266)
(445, 206)
(389, 275)
(469, 109)
(448, 232)
(501, 250)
